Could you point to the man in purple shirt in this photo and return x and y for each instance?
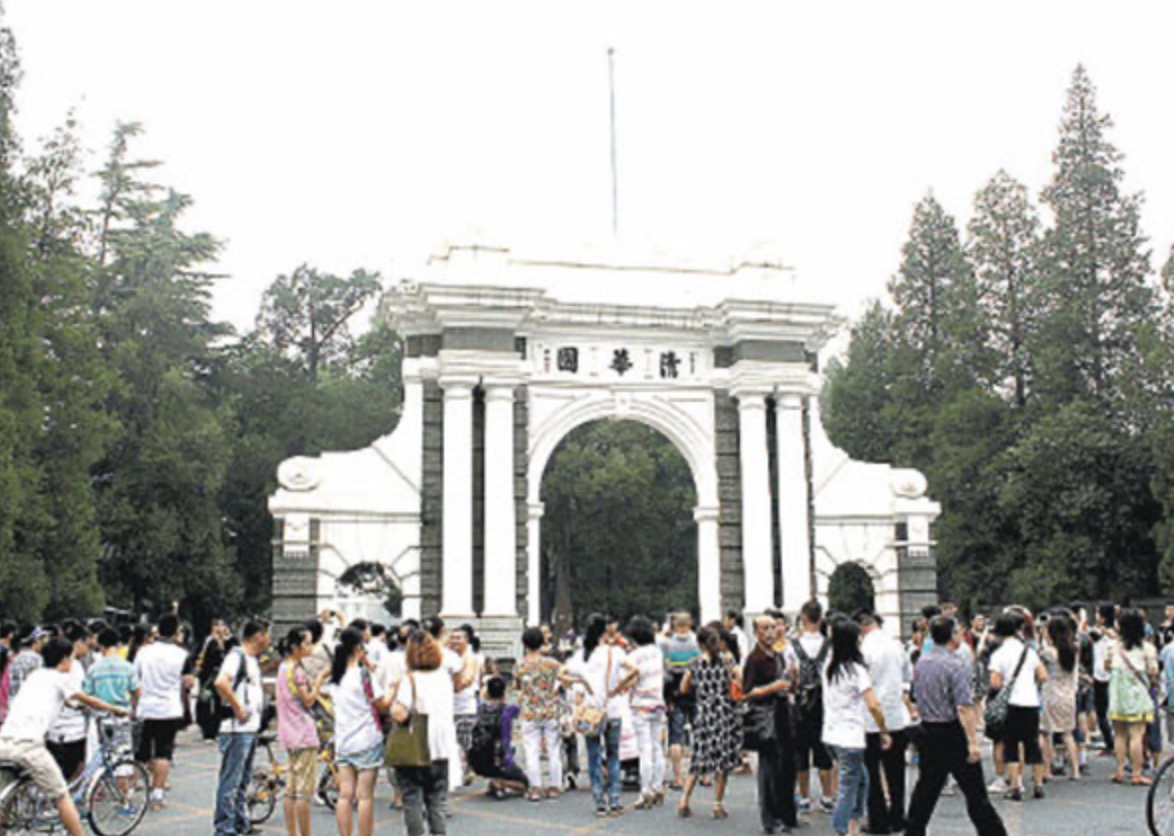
(949, 743)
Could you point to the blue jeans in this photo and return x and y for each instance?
(609, 736)
(236, 765)
(853, 792)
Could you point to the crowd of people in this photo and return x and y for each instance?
(833, 692)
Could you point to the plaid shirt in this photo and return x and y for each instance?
(942, 683)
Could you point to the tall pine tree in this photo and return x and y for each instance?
(1095, 264)
(1003, 248)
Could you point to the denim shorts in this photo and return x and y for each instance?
(680, 721)
(368, 759)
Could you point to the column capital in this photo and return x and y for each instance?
(706, 513)
(457, 386)
(789, 400)
(500, 389)
(750, 397)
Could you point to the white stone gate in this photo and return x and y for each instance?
(505, 355)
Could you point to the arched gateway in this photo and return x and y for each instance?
(505, 355)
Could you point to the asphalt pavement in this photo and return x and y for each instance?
(1093, 806)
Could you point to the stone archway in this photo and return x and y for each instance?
(506, 354)
(618, 531)
(681, 419)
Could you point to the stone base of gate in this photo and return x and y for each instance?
(501, 635)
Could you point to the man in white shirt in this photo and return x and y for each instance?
(891, 674)
(1104, 637)
(163, 674)
(733, 623)
(1017, 663)
(32, 714)
(67, 735)
(239, 686)
(465, 691)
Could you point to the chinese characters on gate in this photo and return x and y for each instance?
(567, 359)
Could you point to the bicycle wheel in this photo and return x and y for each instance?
(18, 808)
(1159, 802)
(116, 800)
(328, 786)
(260, 797)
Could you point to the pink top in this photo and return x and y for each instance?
(295, 726)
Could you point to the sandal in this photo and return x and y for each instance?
(552, 792)
(1142, 781)
(719, 811)
(683, 810)
(533, 795)
(1118, 778)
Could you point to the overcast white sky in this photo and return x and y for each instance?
(350, 134)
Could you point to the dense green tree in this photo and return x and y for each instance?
(857, 402)
(307, 314)
(281, 410)
(618, 532)
(1095, 265)
(160, 481)
(937, 317)
(1003, 247)
(1080, 493)
(23, 585)
(73, 380)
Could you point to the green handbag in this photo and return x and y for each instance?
(407, 742)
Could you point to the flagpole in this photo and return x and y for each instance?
(615, 206)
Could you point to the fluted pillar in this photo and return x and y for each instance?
(756, 517)
(501, 540)
(794, 513)
(534, 563)
(457, 529)
(709, 573)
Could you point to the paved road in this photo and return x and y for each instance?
(1094, 807)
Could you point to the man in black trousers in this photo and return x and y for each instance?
(765, 682)
(948, 746)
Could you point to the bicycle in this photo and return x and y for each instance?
(111, 792)
(267, 784)
(1159, 802)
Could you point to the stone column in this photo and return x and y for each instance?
(794, 530)
(501, 539)
(456, 579)
(709, 572)
(756, 517)
(534, 561)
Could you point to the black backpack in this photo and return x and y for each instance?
(809, 697)
(485, 740)
(224, 710)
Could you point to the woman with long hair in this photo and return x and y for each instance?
(1132, 663)
(597, 669)
(297, 730)
(717, 731)
(358, 732)
(644, 675)
(426, 689)
(1059, 720)
(847, 694)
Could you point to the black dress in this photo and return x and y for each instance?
(717, 731)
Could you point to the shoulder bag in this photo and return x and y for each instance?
(407, 742)
(994, 717)
(759, 726)
(586, 718)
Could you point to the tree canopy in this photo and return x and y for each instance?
(1027, 372)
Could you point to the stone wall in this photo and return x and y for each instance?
(729, 477)
(431, 498)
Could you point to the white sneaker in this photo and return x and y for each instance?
(998, 786)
